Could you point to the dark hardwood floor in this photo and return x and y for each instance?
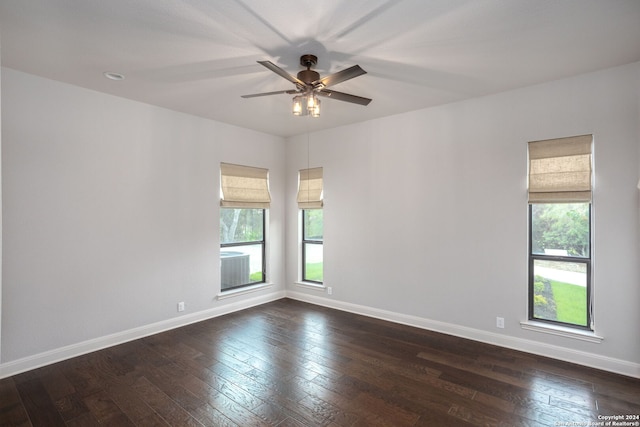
(288, 363)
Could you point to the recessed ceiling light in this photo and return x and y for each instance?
(113, 76)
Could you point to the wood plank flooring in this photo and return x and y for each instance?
(289, 363)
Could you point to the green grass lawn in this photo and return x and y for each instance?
(255, 277)
(570, 302)
(314, 272)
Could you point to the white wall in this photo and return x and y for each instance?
(426, 213)
(111, 216)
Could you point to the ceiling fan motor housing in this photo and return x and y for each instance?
(308, 76)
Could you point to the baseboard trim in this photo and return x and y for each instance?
(59, 354)
(561, 353)
(604, 363)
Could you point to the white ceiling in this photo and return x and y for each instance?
(199, 56)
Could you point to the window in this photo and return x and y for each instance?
(310, 201)
(244, 200)
(560, 262)
(560, 231)
(312, 237)
(242, 247)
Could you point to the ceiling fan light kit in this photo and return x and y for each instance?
(306, 105)
(309, 86)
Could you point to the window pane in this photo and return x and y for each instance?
(313, 262)
(241, 265)
(560, 229)
(560, 291)
(313, 224)
(241, 225)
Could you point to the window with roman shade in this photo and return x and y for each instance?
(244, 186)
(560, 170)
(310, 189)
(560, 177)
(243, 219)
(312, 241)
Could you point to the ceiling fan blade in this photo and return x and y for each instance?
(341, 96)
(340, 76)
(273, 67)
(278, 92)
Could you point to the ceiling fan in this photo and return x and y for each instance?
(309, 86)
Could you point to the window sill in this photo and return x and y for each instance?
(562, 331)
(242, 291)
(311, 285)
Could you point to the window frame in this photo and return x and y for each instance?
(304, 243)
(561, 258)
(263, 244)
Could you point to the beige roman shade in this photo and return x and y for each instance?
(310, 188)
(560, 170)
(244, 187)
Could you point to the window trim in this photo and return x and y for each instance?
(263, 244)
(562, 331)
(236, 292)
(304, 243)
(560, 258)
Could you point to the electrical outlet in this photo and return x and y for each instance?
(330, 290)
(181, 306)
(500, 322)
